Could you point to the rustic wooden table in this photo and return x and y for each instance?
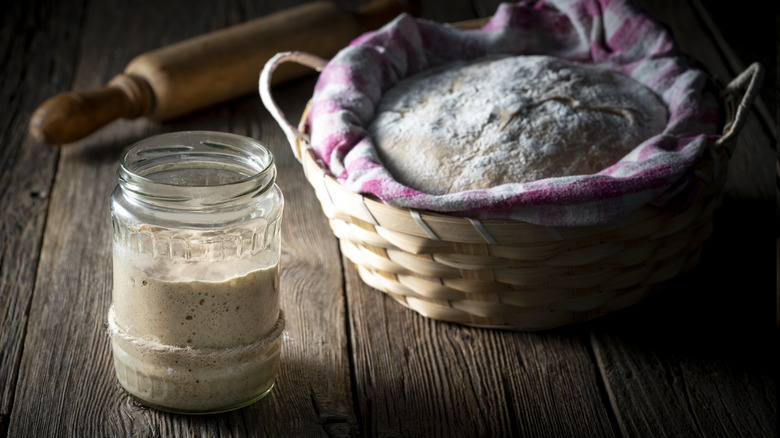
(698, 359)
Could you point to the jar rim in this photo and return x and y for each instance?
(200, 168)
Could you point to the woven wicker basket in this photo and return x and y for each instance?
(512, 274)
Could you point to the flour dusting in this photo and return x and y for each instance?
(493, 121)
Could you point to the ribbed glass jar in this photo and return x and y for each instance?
(195, 321)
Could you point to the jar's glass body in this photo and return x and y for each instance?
(195, 318)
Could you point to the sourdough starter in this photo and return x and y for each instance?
(196, 345)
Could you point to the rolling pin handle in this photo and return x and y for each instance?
(71, 116)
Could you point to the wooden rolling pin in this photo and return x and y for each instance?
(206, 70)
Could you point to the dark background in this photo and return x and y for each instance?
(750, 27)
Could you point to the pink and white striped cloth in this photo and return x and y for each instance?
(613, 33)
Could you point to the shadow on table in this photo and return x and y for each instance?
(725, 308)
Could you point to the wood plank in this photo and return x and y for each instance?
(66, 368)
(67, 356)
(34, 65)
(696, 359)
(418, 377)
(671, 372)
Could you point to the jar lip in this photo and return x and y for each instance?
(208, 138)
(196, 167)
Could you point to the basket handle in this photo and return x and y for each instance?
(290, 131)
(753, 76)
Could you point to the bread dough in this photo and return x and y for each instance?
(480, 124)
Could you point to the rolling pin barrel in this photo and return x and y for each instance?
(206, 70)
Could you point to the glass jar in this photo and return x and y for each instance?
(195, 321)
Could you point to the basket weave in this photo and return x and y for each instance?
(513, 274)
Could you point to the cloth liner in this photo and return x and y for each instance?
(611, 33)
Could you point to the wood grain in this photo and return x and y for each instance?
(696, 359)
(29, 73)
(68, 355)
(450, 380)
(679, 365)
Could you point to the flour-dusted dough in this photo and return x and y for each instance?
(513, 119)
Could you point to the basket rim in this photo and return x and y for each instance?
(436, 226)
